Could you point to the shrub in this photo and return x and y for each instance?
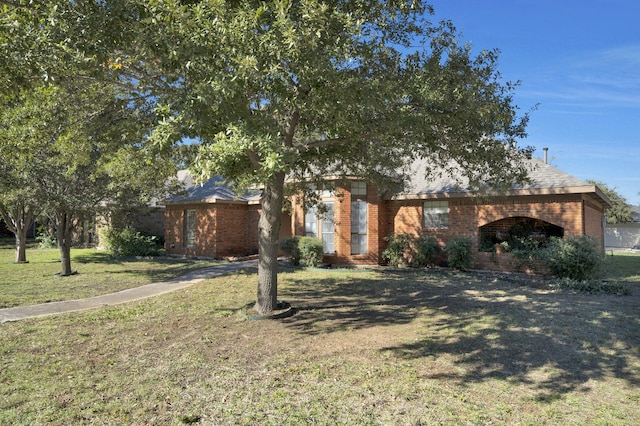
(291, 249)
(576, 258)
(311, 251)
(397, 251)
(426, 251)
(45, 239)
(459, 253)
(128, 242)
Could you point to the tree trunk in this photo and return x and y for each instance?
(268, 234)
(63, 232)
(21, 245)
(18, 221)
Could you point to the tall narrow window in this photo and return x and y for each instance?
(328, 228)
(311, 222)
(190, 228)
(436, 214)
(358, 218)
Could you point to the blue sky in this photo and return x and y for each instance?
(579, 61)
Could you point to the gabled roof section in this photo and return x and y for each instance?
(215, 190)
(545, 180)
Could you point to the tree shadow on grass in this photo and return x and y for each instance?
(487, 326)
(96, 257)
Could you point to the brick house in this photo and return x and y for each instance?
(356, 218)
(212, 221)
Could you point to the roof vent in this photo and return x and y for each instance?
(546, 152)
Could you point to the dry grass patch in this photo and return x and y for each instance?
(430, 347)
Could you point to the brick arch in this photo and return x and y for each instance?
(552, 219)
(517, 226)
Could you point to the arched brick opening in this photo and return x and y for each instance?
(515, 231)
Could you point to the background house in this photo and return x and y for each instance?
(623, 235)
(355, 218)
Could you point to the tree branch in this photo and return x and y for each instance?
(253, 158)
(292, 125)
(334, 141)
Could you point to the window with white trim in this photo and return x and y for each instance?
(311, 222)
(358, 218)
(435, 214)
(323, 218)
(328, 228)
(190, 228)
(359, 189)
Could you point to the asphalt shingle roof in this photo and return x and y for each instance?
(543, 176)
(215, 189)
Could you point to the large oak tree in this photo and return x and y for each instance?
(281, 89)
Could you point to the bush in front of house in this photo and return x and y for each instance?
(398, 248)
(408, 250)
(459, 253)
(311, 251)
(307, 250)
(129, 242)
(576, 258)
(290, 247)
(426, 251)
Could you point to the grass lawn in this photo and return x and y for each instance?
(98, 273)
(396, 347)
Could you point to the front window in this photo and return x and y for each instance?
(325, 219)
(190, 228)
(358, 218)
(328, 228)
(436, 214)
(311, 222)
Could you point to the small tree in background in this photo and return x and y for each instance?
(621, 211)
(74, 148)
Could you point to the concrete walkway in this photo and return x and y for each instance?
(124, 296)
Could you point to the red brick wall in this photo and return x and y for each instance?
(594, 222)
(173, 232)
(342, 219)
(575, 214)
(223, 229)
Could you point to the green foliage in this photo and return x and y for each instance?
(426, 251)
(291, 249)
(407, 250)
(311, 250)
(45, 239)
(129, 242)
(576, 258)
(398, 247)
(593, 286)
(621, 211)
(525, 251)
(459, 253)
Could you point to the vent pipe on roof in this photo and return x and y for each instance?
(546, 152)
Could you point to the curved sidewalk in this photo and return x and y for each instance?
(129, 295)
